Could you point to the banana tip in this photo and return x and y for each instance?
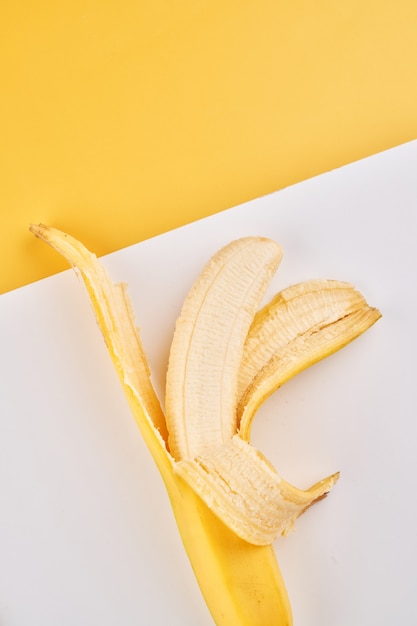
(37, 229)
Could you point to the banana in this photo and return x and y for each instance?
(225, 359)
(241, 583)
(206, 350)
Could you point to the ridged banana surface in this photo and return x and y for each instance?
(206, 351)
(227, 356)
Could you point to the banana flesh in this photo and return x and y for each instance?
(225, 359)
(201, 383)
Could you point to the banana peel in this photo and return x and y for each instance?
(301, 325)
(228, 501)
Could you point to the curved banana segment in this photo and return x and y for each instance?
(201, 385)
(298, 309)
(300, 326)
(243, 489)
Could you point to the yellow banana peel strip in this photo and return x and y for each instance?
(217, 491)
(302, 325)
(294, 311)
(267, 506)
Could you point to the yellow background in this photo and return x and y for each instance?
(120, 120)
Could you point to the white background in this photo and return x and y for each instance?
(86, 532)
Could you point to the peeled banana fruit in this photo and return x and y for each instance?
(227, 356)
